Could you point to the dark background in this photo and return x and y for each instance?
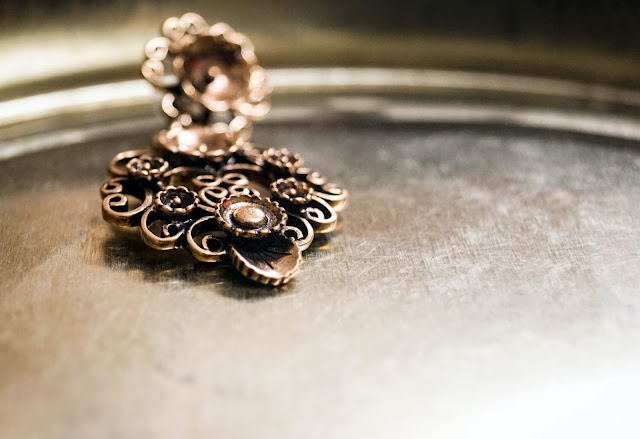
(597, 40)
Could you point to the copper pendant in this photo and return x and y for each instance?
(202, 186)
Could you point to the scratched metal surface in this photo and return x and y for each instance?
(484, 281)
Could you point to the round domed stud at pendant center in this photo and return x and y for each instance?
(250, 217)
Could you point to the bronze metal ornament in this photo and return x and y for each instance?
(202, 186)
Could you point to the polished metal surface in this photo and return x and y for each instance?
(484, 281)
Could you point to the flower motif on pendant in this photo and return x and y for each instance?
(299, 198)
(204, 188)
(176, 201)
(249, 216)
(281, 162)
(147, 167)
(205, 69)
(214, 143)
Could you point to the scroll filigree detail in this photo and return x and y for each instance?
(235, 214)
(203, 186)
(205, 70)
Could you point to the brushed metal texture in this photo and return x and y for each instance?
(484, 281)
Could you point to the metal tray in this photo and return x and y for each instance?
(484, 279)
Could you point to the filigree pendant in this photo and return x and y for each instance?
(202, 186)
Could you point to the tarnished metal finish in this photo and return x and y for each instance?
(250, 216)
(205, 70)
(253, 231)
(116, 208)
(229, 193)
(216, 142)
(176, 201)
(271, 261)
(292, 191)
(147, 167)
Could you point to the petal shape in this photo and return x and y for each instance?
(271, 261)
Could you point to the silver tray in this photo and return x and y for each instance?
(483, 282)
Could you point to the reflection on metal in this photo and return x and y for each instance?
(516, 270)
(73, 136)
(319, 79)
(385, 101)
(604, 125)
(136, 92)
(95, 97)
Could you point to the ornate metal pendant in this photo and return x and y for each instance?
(202, 185)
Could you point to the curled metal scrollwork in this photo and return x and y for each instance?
(214, 190)
(206, 242)
(160, 231)
(301, 198)
(234, 212)
(124, 202)
(321, 216)
(205, 70)
(203, 187)
(300, 230)
(335, 196)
